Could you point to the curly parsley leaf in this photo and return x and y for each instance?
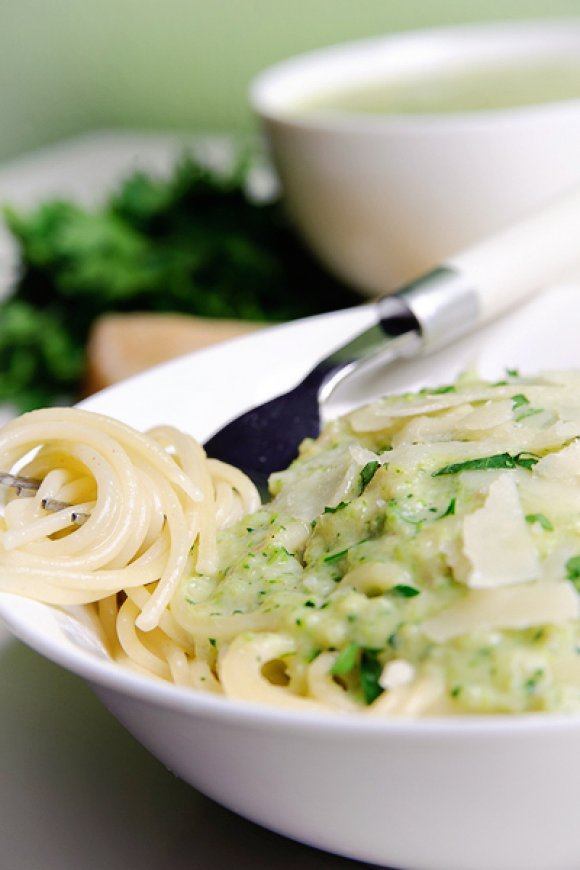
(370, 674)
(518, 400)
(346, 660)
(542, 520)
(526, 460)
(521, 401)
(573, 571)
(367, 474)
(437, 391)
(404, 591)
(332, 510)
(194, 243)
(485, 463)
(336, 557)
(369, 669)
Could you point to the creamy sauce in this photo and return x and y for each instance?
(451, 90)
(436, 532)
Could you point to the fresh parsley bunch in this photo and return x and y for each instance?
(195, 243)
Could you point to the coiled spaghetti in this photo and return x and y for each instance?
(421, 557)
(153, 504)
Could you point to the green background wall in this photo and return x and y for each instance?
(72, 65)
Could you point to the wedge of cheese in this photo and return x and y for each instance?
(497, 540)
(542, 603)
(121, 345)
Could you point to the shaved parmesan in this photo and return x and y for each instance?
(563, 464)
(323, 480)
(541, 603)
(497, 541)
(396, 673)
(374, 417)
(488, 416)
(361, 455)
(431, 429)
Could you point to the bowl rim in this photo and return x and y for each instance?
(18, 614)
(547, 37)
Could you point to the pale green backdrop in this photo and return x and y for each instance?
(72, 65)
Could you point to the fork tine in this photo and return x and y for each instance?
(13, 481)
(30, 484)
(52, 504)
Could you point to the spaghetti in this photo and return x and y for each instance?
(154, 504)
(421, 557)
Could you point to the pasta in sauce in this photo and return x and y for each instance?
(421, 557)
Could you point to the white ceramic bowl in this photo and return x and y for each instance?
(382, 198)
(459, 794)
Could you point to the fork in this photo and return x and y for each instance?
(465, 292)
(30, 486)
(468, 290)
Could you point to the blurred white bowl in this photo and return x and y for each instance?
(495, 793)
(382, 198)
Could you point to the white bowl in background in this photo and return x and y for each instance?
(495, 793)
(382, 198)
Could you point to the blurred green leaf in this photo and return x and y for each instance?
(194, 243)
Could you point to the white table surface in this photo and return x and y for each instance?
(76, 791)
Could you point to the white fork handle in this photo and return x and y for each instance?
(524, 258)
(480, 283)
